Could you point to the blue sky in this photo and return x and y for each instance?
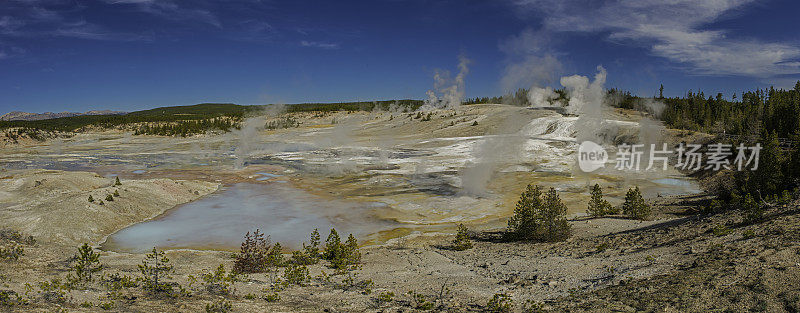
(77, 55)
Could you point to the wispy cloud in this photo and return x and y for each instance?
(10, 51)
(173, 11)
(676, 30)
(31, 18)
(320, 45)
(83, 30)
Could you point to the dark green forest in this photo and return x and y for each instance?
(195, 119)
(769, 117)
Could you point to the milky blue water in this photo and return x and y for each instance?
(219, 221)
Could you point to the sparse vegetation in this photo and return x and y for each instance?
(219, 281)
(384, 298)
(287, 122)
(12, 252)
(421, 301)
(753, 210)
(500, 303)
(12, 244)
(219, 306)
(273, 297)
(720, 230)
(634, 206)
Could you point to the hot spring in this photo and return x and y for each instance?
(219, 221)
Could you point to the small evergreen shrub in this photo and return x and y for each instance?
(116, 282)
(384, 298)
(219, 306)
(275, 256)
(753, 210)
(15, 236)
(296, 274)
(91, 199)
(252, 256)
(219, 281)
(420, 301)
(155, 268)
(273, 297)
(117, 182)
(12, 252)
(720, 230)
(500, 303)
(312, 249)
(462, 241)
(109, 198)
(10, 298)
(634, 206)
(86, 263)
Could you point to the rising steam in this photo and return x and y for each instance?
(447, 93)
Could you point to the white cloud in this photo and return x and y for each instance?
(320, 45)
(673, 29)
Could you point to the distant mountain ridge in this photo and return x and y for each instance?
(25, 116)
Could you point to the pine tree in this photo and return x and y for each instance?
(767, 179)
(312, 249)
(597, 205)
(522, 224)
(275, 256)
(635, 206)
(351, 248)
(117, 182)
(754, 212)
(539, 217)
(91, 199)
(554, 218)
(333, 246)
(252, 256)
(462, 241)
(86, 263)
(155, 268)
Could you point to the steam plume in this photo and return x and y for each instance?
(447, 93)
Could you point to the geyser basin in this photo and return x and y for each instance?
(218, 221)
